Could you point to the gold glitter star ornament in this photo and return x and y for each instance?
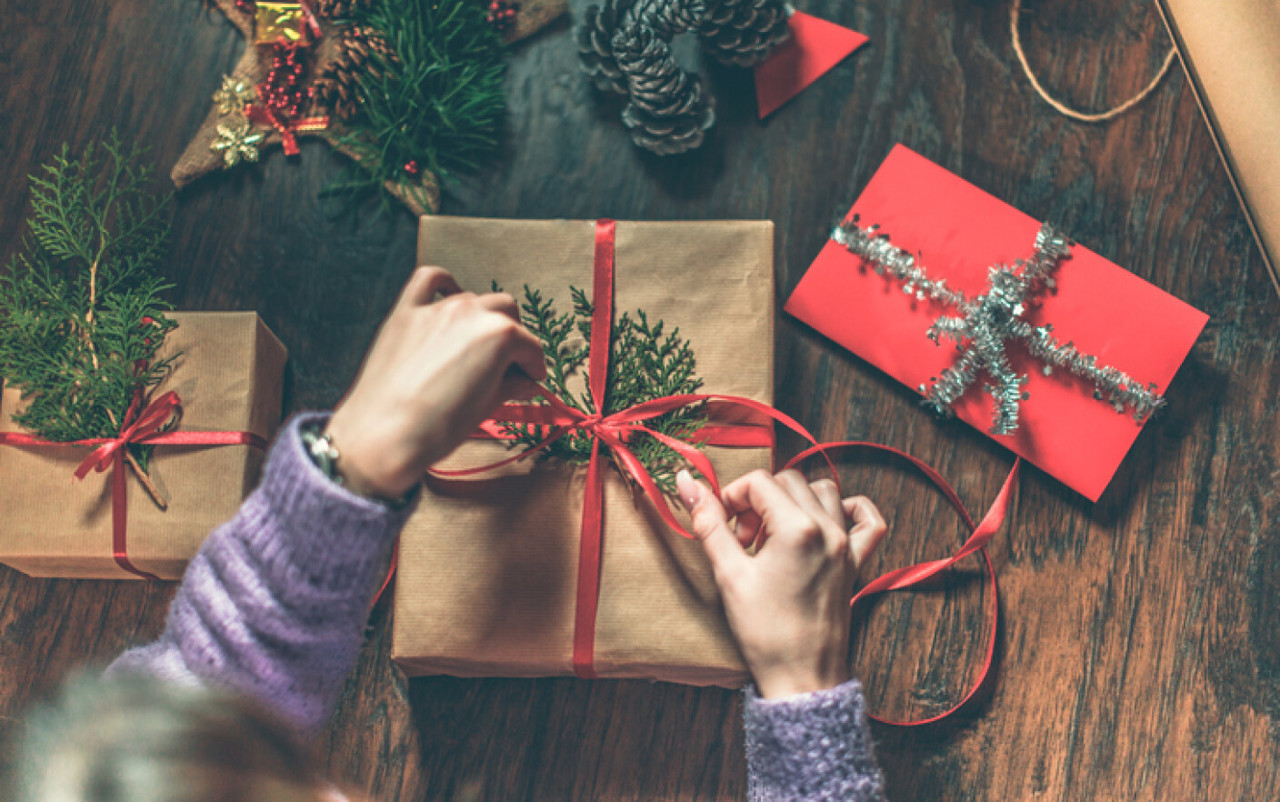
(237, 142)
(233, 94)
(226, 139)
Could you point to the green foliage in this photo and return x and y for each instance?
(73, 301)
(440, 103)
(646, 362)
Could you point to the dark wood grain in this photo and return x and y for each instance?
(1138, 655)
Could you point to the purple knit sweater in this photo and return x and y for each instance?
(275, 604)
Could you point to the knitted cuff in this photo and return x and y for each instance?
(811, 746)
(339, 538)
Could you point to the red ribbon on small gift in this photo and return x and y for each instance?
(616, 429)
(141, 428)
(289, 129)
(263, 114)
(311, 20)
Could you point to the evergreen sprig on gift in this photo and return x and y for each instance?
(435, 100)
(645, 362)
(81, 316)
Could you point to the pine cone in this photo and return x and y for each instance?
(337, 9)
(595, 45)
(666, 17)
(335, 89)
(360, 45)
(743, 32)
(336, 93)
(667, 110)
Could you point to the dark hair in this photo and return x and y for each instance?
(135, 738)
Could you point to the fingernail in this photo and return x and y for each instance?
(687, 488)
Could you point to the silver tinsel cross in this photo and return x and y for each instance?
(987, 324)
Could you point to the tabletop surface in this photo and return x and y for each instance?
(1137, 651)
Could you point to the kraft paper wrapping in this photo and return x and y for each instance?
(229, 378)
(1229, 53)
(488, 569)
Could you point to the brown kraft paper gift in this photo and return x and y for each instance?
(1229, 52)
(228, 376)
(488, 568)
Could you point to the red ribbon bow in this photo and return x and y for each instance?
(140, 428)
(615, 430)
(137, 429)
(264, 115)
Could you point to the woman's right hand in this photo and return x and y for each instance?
(788, 604)
(436, 369)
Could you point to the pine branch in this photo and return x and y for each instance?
(438, 102)
(81, 312)
(646, 362)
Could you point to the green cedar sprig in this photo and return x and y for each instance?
(646, 362)
(81, 316)
(439, 103)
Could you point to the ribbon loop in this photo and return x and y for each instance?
(136, 429)
(976, 543)
(262, 114)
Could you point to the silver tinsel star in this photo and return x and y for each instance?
(237, 141)
(988, 323)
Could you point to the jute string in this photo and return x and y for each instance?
(1063, 108)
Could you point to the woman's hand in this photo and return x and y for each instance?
(788, 604)
(436, 370)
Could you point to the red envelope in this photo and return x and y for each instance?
(958, 232)
(815, 47)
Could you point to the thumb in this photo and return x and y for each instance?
(517, 386)
(868, 528)
(710, 521)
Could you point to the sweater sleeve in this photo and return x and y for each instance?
(275, 603)
(814, 747)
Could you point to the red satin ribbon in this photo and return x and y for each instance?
(903, 578)
(263, 115)
(557, 419)
(142, 428)
(309, 17)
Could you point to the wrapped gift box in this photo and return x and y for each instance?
(1233, 67)
(958, 233)
(488, 569)
(228, 375)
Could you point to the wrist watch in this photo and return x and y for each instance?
(324, 454)
(321, 450)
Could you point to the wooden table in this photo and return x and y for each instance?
(1138, 656)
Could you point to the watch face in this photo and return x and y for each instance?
(321, 451)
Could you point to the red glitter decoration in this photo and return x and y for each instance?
(284, 91)
(502, 14)
(284, 94)
(411, 167)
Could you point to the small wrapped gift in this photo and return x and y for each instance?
(274, 22)
(227, 382)
(493, 577)
(948, 289)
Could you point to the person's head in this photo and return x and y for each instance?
(137, 739)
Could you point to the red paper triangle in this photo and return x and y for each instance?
(814, 48)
